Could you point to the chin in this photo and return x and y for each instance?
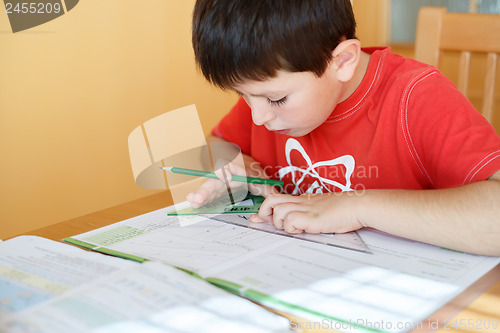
(298, 133)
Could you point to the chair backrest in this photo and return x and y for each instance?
(466, 33)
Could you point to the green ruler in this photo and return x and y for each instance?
(250, 204)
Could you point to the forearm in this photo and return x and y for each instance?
(465, 218)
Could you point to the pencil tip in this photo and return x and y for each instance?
(166, 168)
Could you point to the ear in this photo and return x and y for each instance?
(346, 58)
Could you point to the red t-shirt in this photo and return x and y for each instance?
(406, 126)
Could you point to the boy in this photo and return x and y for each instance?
(361, 137)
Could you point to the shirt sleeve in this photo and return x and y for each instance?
(453, 143)
(236, 126)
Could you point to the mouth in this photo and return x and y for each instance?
(282, 132)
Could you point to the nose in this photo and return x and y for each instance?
(262, 114)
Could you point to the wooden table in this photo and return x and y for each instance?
(472, 316)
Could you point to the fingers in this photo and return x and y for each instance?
(282, 214)
(235, 168)
(221, 163)
(293, 214)
(267, 208)
(208, 191)
(290, 226)
(297, 222)
(214, 188)
(276, 209)
(224, 171)
(224, 174)
(291, 217)
(315, 213)
(196, 199)
(262, 190)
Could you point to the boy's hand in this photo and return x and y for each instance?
(213, 188)
(312, 213)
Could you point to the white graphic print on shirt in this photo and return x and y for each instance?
(320, 183)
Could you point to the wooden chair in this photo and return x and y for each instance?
(438, 30)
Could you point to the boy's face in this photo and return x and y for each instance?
(293, 103)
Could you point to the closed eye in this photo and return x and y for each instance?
(278, 102)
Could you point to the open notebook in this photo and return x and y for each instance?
(51, 287)
(392, 287)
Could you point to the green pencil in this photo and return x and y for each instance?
(207, 174)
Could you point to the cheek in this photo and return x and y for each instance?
(301, 103)
(326, 101)
(294, 112)
(308, 107)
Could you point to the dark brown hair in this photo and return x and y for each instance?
(237, 40)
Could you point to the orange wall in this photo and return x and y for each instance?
(71, 91)
(373, 21)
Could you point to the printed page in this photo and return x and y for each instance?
(393, 290)
(34, 270)
(349, 240)
(202, 247)
(400, 282)
(239, 213)
(149, 297)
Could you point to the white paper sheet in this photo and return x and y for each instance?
(50, 287)
(34, 270)
(400, 284)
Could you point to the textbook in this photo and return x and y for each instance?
(51, 287)
(393, 287)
